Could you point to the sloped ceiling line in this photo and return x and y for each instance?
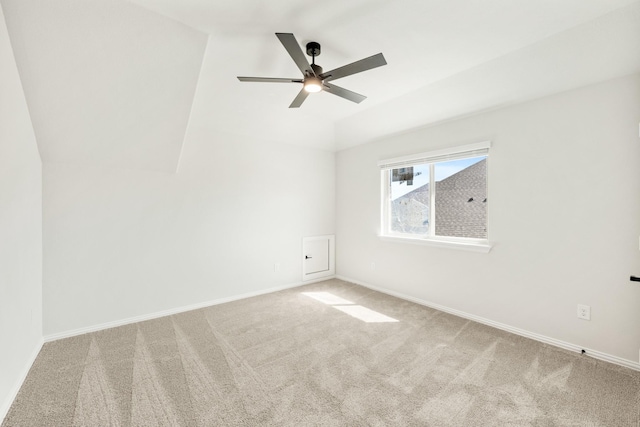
(108, 84)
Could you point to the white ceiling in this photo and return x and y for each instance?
(113, 83)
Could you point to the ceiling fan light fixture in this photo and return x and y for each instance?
(312, 84)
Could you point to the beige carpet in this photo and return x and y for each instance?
(300, 358)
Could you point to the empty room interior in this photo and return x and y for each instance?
(363, 213)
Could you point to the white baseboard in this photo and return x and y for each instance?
(169, 312)
(542, 338)
(6, 405)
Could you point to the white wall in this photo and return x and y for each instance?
(564, 213)
(20, 230)
(125, 243)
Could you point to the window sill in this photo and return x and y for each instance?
(473, 246)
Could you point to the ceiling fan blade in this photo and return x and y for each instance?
(297, 102)
(268, 80)
(344, 93)
(290, 43)
(355, 67)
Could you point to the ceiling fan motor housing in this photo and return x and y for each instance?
(316, 69)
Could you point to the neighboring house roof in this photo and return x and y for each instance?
(461, 210)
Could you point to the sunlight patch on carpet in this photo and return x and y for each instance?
(327, 298)
(365, 314)
(359, 312)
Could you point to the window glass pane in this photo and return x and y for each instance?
(409, 204)
(461, 198)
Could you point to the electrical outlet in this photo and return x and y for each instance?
(276, 267)
(373, 265)
(584, 312)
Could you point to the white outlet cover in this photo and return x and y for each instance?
(584, 312)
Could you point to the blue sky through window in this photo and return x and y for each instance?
(445, 169)
(442, 171)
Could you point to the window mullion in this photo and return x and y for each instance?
(385, 198)
(432, 200)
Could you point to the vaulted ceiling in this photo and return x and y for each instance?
(122, 83)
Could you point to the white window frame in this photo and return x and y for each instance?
(431, 157)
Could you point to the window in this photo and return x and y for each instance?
(437, 197)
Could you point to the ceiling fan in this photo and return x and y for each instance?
(314, 79)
